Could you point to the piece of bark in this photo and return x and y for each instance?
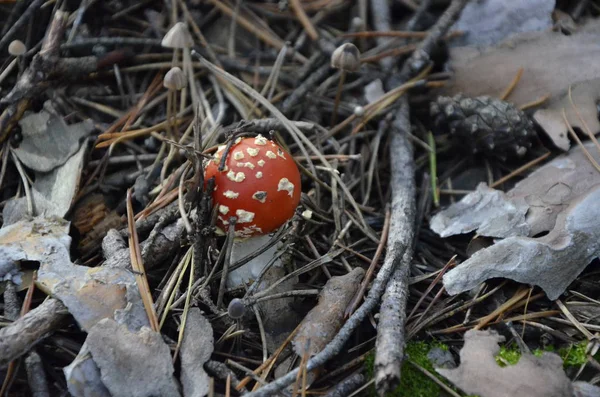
(322, 323)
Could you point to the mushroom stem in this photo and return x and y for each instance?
(252, 269)
(187, 64)
(338, 96)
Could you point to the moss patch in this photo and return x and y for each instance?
(413, 382)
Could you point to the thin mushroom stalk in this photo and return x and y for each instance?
(346, 58)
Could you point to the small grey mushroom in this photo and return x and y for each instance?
(346, 57)
(236, 309)
(174, 79)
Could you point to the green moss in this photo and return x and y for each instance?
(413, 382)
(508, 355)
(572, 356)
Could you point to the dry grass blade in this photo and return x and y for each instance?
(574, 136)
(138, 267)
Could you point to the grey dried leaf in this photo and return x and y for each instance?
(196, 349)
(48, 141)
(559, 199)
(532, 376)
(551, 262)
(53, 192)
(491, 21)
(485, 210)
(83, 376)
(132, 364)
(585, 97)
(547, 58)
(90, 294)
(322, 323)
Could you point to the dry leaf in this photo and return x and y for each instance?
(532, 376)
(485, 210)
(196, 349)
(560, 198)
(551, 62)
(585, 96)
(322, 323)
(90, 294)
(488, 22)
(132, 364)
(48, 141)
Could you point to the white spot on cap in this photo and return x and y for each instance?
(260, 140)
(238, 155)
(271, 155)
(244, 216)
(253, 151)
(223, 209)
(261, 162)
(260, 196)
(259, 175)
(248, 231)
(280, 153)
(285, 184)
(246, 164)
(239, 177)
(220, 148)
(238, 140)
(230, 194)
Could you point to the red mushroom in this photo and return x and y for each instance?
(259, 185)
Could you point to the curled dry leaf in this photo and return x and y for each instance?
(585, 97)
(546, 57)
(322, 323)
(196, 348)
(559, 198)
(532, 376)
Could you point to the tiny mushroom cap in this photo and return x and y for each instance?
(259, 185)
(346, 57)
(16, 48)
(236, 308)
(174, 79)
(178, 37)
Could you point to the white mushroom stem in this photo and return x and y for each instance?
(187, 64)
(252, 269)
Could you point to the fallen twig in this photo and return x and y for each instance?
(19, 337)
(390, 332)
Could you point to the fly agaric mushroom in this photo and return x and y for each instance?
(260, 186)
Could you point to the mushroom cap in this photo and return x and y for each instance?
(346, 57)
(16, 48)
(260, 186)
(178, 36)
(174, 79)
